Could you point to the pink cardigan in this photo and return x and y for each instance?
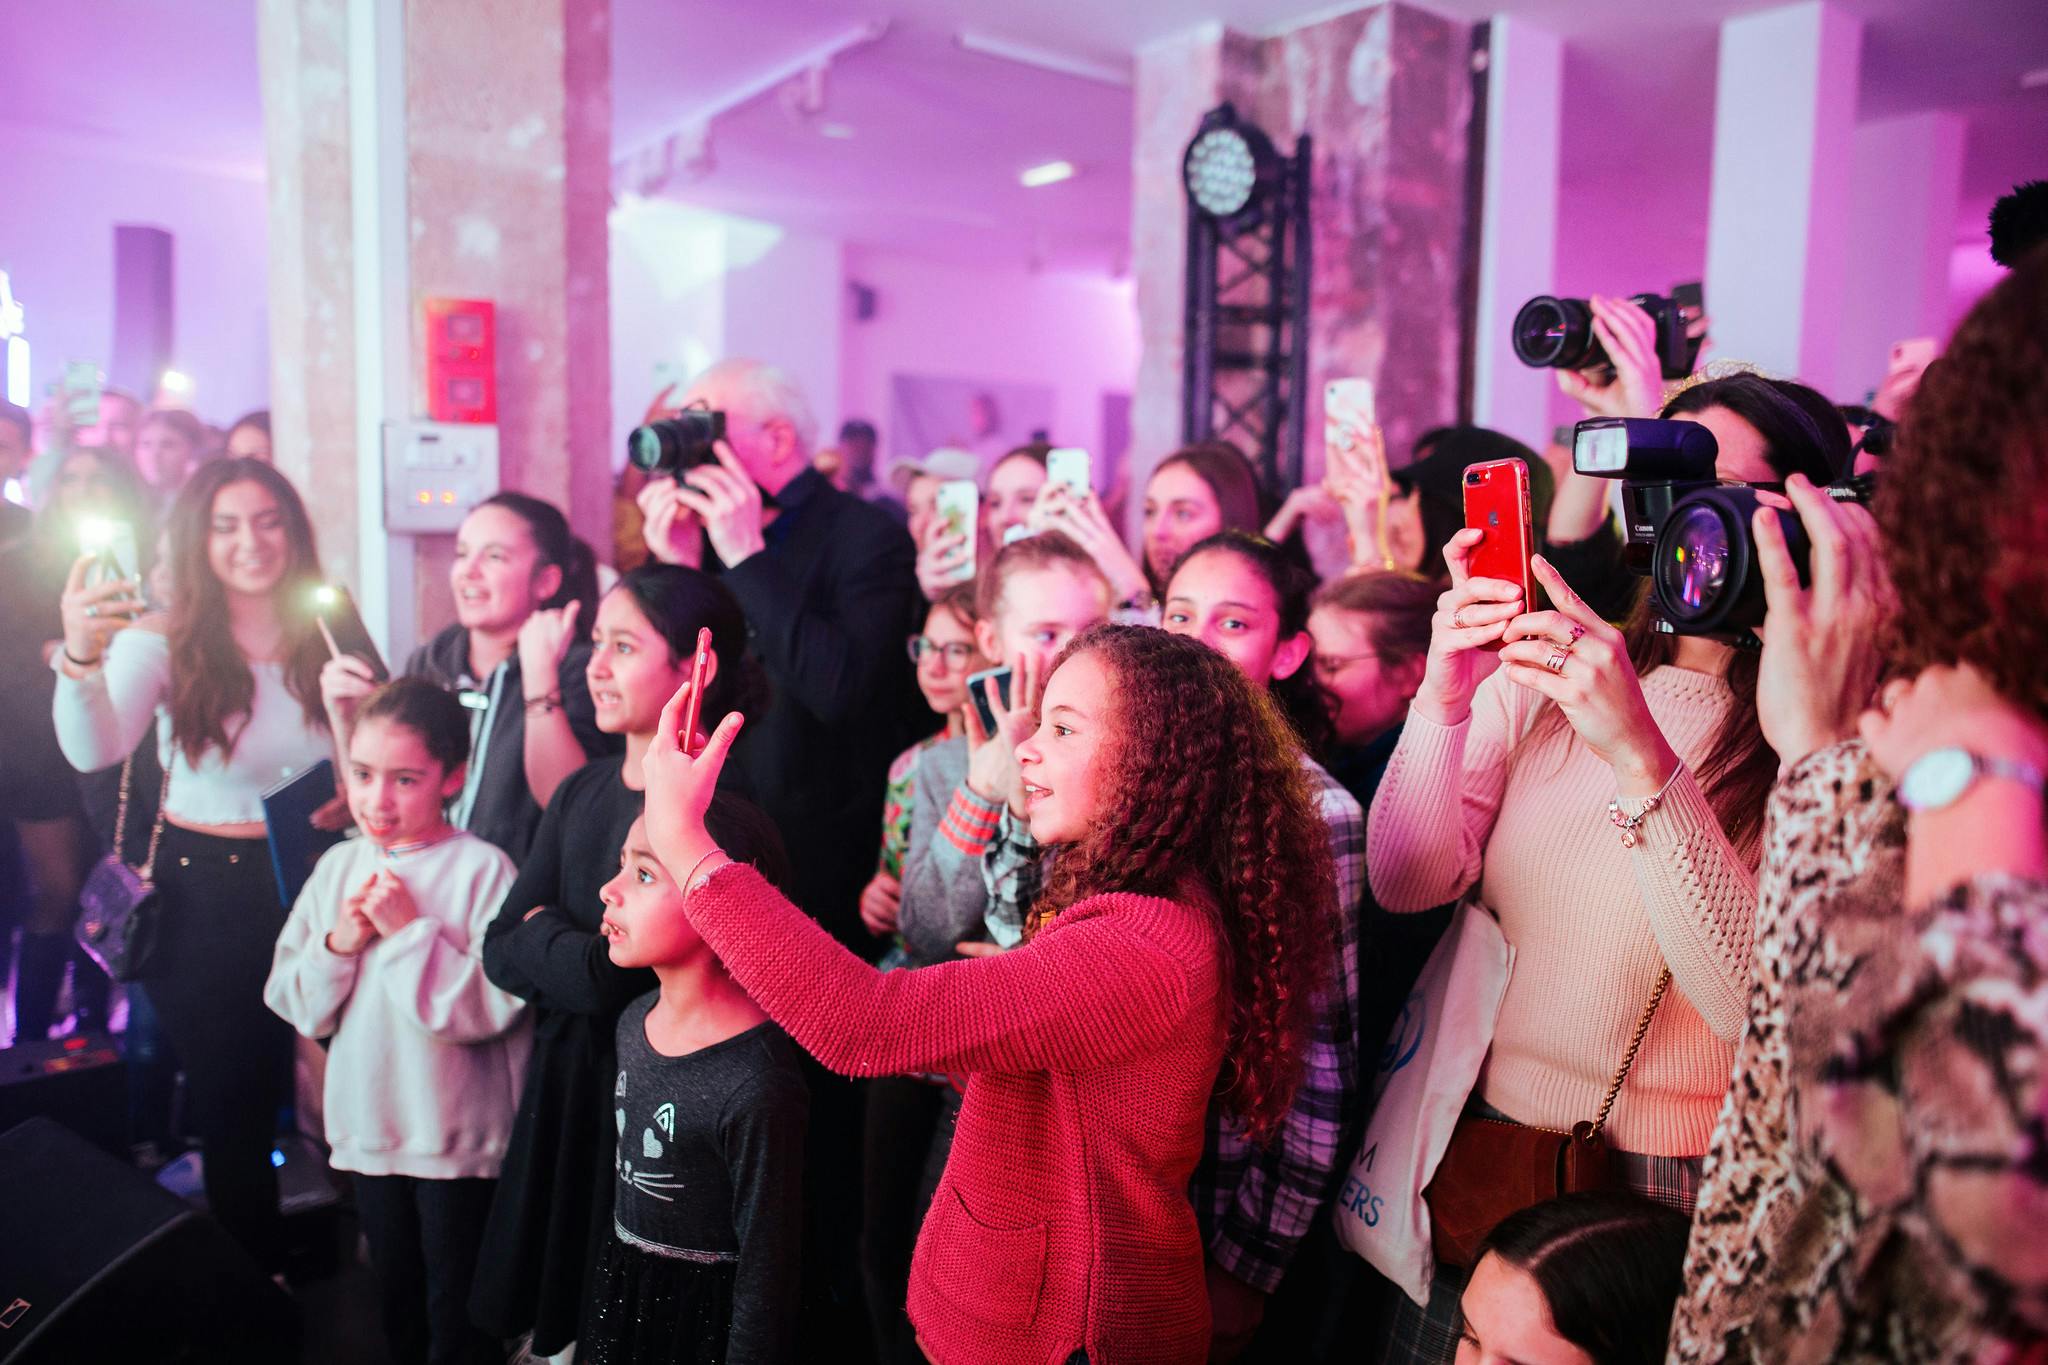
(1062, 1220)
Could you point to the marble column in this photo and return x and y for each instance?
(504, 175)
(1906, 181)
(1777, 221)
(1384, 94)
(1518, 224)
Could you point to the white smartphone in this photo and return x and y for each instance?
(114, 544)
(1349, 414)
(1071, 466)
(959, 509)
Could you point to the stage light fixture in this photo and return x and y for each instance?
(1227, 163)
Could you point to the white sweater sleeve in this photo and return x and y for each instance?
(102, 716)
(433, 973)
(310, 986)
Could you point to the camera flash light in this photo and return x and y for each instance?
(325, 597)
(95, 533)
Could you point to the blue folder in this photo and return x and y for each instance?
(288, 819)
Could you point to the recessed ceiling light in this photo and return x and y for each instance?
(1051, 173)
(839, 132)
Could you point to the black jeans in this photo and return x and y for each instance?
(424, 1236)
(220, 917)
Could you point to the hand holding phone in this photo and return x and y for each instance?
(1070, 465)
(698, 668)
(958, 504)
(341, 625)
(1497, 505)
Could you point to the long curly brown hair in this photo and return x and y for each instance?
(1208, 802)
(1960, 498)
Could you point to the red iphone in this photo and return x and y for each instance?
(1497, 502)
(696, 706)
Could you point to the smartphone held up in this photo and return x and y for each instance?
(959, 510)
(1497, 504)
(341, 625)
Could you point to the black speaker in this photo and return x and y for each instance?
(80, 1081)
(98, 1264)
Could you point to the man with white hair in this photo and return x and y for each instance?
(827, 581)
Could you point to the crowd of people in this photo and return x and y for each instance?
(712, 974)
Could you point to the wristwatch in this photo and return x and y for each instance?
(1939, 777)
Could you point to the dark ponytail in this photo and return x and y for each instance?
(426, 708)
(557, 544)
(678, 602)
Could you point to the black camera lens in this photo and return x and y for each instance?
(1693, 559)
(674, 444)
(1557, 334)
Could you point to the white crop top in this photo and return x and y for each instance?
(103, 716)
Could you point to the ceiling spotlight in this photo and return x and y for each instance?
(1226, 164)
(176, 381)
(1051, 173)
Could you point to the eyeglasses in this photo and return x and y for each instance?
(956, 654)
(1328, 666)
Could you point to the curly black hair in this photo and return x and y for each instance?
(2019, 223)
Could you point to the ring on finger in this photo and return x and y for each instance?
(1457, 621)
(92, 611)
(1577, 631)
(1555, 663)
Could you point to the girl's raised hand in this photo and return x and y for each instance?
(544, 638)
(91, 614)
(1471, 614)
(680, 787)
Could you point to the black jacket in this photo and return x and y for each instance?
(830, 604)
(505, 812)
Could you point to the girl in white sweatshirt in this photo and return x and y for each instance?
(382, 953)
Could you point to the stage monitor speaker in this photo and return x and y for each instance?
(80, 1081)
(98, 1264)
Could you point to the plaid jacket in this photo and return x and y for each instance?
(1253, 1204)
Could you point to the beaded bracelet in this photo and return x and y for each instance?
(1628, 824)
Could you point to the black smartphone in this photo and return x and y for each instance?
(343, 626)
(977, 692)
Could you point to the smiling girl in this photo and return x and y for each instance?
(1170, 942)
(554, 1200)
(523, 586)
(382, 953)
(232, 672)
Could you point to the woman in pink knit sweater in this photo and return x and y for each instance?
(1603, 793)
(1183, 928)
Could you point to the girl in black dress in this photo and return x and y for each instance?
(710, 1106)
(553, 1207)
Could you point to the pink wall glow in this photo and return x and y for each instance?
(57, 246)
(1077, 333)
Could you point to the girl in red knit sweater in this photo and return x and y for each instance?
(1183, 928)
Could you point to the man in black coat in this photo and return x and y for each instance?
(829, 587)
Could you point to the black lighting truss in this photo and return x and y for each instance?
(1246, 371)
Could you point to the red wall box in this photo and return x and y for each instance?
(462, 360)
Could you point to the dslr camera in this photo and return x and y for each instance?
(677, 443)
(1557, 334)
(1686, 530)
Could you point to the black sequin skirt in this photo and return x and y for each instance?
(648, 1309)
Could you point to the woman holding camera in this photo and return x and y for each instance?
(1606, 787)
(1875, 1189)
(234, 669)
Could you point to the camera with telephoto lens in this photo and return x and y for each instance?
(1557, 334)
(677, 443)
(1685, 529)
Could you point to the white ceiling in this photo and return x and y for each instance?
(938, 133)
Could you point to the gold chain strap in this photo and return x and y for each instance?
(1634, 1045)
(156, 831)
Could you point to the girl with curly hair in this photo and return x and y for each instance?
(1181, 930)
